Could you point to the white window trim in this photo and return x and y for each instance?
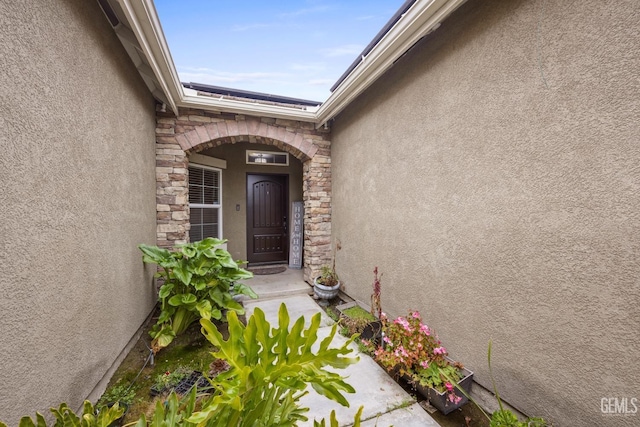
(279, 153)
(215, 205)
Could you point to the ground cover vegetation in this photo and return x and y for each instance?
(268, 369)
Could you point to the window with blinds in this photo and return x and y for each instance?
(205, 202)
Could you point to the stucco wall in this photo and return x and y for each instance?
(493, 177)
(78, 195)
(234, 189)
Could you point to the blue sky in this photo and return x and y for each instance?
(288, 48)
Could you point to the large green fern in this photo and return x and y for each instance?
(270, 370)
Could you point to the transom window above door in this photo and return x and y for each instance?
(205, 202)
(272, 158)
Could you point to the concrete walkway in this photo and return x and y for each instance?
(385, 402)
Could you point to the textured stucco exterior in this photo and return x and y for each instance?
(234, 189)
(493, 177)
(78, 196)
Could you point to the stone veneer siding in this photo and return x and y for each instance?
(196, 130)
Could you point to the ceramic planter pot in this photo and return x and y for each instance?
(325, 293)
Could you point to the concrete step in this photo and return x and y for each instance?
(270, 286)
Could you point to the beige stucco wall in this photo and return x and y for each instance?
(77, 196)
(505, 208)
(234, 189)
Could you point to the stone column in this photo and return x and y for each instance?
(172, 205)
(317, 217)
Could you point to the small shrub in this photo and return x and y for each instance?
(117, 393)
(170, 379)
(197, 284)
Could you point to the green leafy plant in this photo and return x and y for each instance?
(328, 276)
(66, 417)
(411, 348)
(354, 320)
(270, 368)
(197, 284)
(117, 393)
(173, 412)
(170, 379)
(264, 375)
(333, 421)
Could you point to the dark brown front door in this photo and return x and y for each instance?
(267, 218)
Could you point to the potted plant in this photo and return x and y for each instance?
(119, 394)
(169, 379)
(411, 350)
(327, 285)
(357, 317)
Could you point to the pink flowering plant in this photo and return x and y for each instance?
(410, 348)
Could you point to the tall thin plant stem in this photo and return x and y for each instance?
(376, 306)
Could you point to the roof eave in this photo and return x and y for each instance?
(143, 19)
(191, 99)
(145, 24)
(422, 18)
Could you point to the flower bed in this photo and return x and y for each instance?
(411, 350)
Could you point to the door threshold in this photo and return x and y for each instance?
(267, 264)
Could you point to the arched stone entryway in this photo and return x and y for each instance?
(196, 130)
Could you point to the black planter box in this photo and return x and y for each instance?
(441, 400)
(183, 387)
(196, 378)
(372, 331)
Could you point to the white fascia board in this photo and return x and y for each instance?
(143, 19)
(423, 17)
(213, 103)
(419, 20)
